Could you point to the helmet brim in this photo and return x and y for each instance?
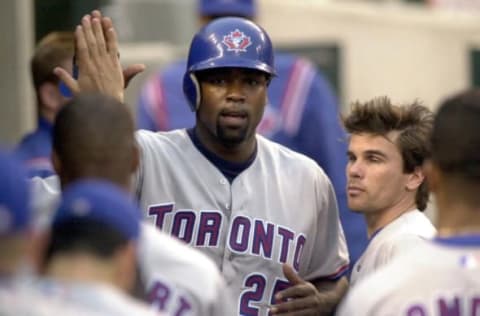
(234, 62)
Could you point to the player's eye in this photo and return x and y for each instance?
(216, 81)
(373, 158)
(351, 157)
(253, 82)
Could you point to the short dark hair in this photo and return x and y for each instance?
(93, 136)
(84, 235)
(413, 122)
(49, 53)
(456, 135)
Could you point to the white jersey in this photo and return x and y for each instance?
(281, 209)
(397, 237)
(45, 297)
(438, 277)
(45, 194)
(179, 280)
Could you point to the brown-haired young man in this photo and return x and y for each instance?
(53, 50)
(387, 147)
(438, 277)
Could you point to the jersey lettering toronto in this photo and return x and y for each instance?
(245, 235)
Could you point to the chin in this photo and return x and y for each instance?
(232, 137)
(231, 141)
(354, 207)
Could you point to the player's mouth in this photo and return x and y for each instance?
(233, 117)
(354, 190)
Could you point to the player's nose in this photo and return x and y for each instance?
(355, 169)
(236, 91)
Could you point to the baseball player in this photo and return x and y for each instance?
(266, 215)
(55, 49)
(90, 257)
(35, 148)
(14, 217)
(18, 292)
(441, 276)
(302, 112)
(388, 145)
(94, 137)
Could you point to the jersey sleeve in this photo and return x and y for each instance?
(330, 259)
(192, 280)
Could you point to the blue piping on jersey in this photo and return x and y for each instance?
(342, 271)
(472, 239)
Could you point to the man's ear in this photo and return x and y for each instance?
(415, 179)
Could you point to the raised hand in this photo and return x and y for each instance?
(130, 71)
(97, 59)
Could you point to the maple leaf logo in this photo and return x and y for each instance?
(237, 41)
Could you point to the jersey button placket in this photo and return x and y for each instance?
(227, 267)
(225, 182)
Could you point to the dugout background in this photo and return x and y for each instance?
(365, 48)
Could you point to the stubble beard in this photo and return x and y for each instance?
(232, 137)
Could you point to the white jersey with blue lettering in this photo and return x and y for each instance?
(437, 277)
(179, 280)
(48, 297)
(392, 240)
(281, 209)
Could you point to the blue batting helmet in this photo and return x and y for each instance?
(229, 42)
(245, 8)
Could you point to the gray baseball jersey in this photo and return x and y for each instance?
(180, 280)
(281, 209)
(397, 237)
(438, 277)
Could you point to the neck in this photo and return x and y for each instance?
(380, 219)
(81, 268)
(458, 204)
(457, 218)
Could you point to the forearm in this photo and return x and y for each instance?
(331, 293)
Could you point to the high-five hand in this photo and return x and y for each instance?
(130, 71)
(97, 59)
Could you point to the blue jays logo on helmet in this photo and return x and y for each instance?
(229, 42)
(237, 41)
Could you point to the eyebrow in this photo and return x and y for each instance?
(375, 152)
(370, 152)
